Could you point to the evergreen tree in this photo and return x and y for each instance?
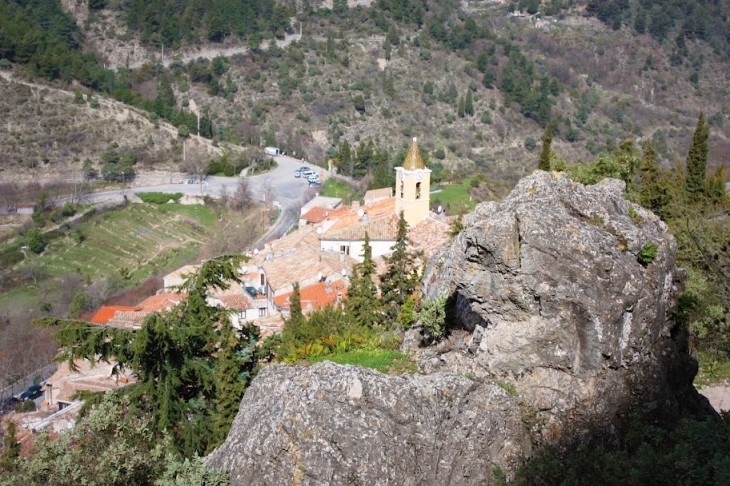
(715, 188)
(234, 364)
(547, 140)
(173, 356)
(386, 46)
(652, 194)
(362, 304)
(401, 275)
(388, 85)
(383, 175)
(461, 108)
(296, 315)
(469, 104)
(330, 45)
(12, 448)
(346, 161)
(697, 160)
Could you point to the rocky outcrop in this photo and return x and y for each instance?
(561, 327)
(558, 300)
(331, 424)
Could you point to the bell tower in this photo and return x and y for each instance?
(412, 186)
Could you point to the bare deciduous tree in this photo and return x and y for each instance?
(242, 198)
(196, 162)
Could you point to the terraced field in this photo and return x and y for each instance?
(141, 238)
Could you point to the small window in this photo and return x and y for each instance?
(263, 279)
(418, 190)
(345, 249)
(262, 311)
(401, 189)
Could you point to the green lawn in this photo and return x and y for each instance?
(383, 360)
(19, 299)
(334, 188)
(454, 197)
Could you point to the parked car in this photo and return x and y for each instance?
(315, 183)
(303, 168)
(308, 173)
(313, 178)
(190, 181)
(31, 393)
(297, 173)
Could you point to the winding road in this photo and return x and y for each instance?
(288, 192)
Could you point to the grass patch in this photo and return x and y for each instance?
(334, 188)
(19, 299)
(383, 360)
(713, 368)
(158, 197)
(454, 197)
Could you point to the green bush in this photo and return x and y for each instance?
(647, 254)
(10, 258)
(158, 197)
(35, 241)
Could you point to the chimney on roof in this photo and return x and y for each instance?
(355, 204)
(364, 218)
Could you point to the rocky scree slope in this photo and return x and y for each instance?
(566, 333)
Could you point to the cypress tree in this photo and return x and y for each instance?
(469, 104)
(401, 276)
(296, 319)
(651, 194)
(547, 140)
(715, 189)
(346, 163)
(697, 160)
(12, 448)
(461, 108)
(362, 304)
(229, 383)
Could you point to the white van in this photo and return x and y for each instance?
(272, 151)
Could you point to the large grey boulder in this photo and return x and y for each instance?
(331, 424)
(550, 287)
(547, 299)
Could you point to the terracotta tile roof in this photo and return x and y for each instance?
(161, 302)
(350, 218)
(374, 195)
(382, 229)
(304, 265)
(302, 237)
(128, 319)
(315, 215)
(316, 296)
(429, 235)
(236, 302)
(105, 314)
(269, 325)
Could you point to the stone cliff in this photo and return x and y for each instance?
(561, 326)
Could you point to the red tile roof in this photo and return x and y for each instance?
(161, 302)
(105, 314)
(316, 296)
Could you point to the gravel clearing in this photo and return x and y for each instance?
(718, 395)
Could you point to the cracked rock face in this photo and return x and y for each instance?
(331, 424)
(550, 286)
(553, 306)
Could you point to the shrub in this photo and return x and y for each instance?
(35, 241)
(530, 143)
(158, 197)
(432, 317)
(10, 258)
(647, 254)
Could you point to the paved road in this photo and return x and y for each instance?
(288, 191)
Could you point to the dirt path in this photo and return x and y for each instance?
(208, 52)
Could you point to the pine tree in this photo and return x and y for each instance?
(362, 304)
(547, 140)
(401, 276)
(469, 104)
(697, 160)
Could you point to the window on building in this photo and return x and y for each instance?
(401, 189)
(262, 311)
(418, 190)
(263, 279)
(345, 249)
